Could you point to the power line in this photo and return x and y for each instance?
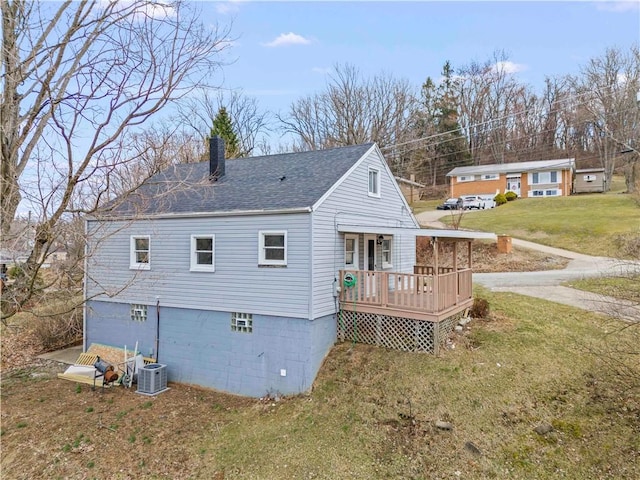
(556, 103)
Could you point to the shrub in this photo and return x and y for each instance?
(500, 199)
(56, 331)
(479, 309)
(510, 196)
(628, 245)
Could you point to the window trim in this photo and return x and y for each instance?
(201, 267)
(545, 177)
(490, 176)
(133, 263)
(389, 264)
(376, 191)
(546, 192)
(356, 258)
(465, 178)
(262, 260)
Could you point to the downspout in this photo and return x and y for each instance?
(84, 287)
(157, 327)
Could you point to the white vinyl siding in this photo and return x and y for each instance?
(273, 248)
(203, 253)
(140, 252)
(344, 206)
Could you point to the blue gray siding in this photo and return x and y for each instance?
(238, 283)
(199, 347)
(293, 307)
(350, 204)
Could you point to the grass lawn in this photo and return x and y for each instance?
(424, 205)
(627, 288)
(371, 414)
(589, 224)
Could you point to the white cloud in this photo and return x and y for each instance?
(619, 7)
(322, 70)
(285, 39)
(226, 8)
(509, 67)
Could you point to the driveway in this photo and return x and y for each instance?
(547, 284)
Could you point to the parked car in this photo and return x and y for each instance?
(451, 204)
(487, 201)
(471, 202)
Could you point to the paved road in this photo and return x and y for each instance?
(547, 284)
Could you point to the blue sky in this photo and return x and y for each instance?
(283, 50)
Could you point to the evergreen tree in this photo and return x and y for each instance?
(445, 147)
(223, 127)
(452, 145)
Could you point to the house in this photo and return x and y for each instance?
(589, 180)
(229, 272)
(544, 178)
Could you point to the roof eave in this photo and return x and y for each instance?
(229, 213)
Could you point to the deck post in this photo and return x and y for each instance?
(455, 269)
(436, 338)
(384, 289)
(436, 276)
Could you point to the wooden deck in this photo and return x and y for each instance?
(419, 296)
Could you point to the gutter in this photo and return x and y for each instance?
(228, 213)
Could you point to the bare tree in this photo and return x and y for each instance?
(78, 77)
(152, 150)
(250, 122)
(609, 86)
(351, 110)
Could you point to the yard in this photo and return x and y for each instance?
(529, 365)
(592, 224)
(371, 414)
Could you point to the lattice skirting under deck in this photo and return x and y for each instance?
(395, 332)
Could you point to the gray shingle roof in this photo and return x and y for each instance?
(272, 182)
(516, 167)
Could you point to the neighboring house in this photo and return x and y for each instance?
(230, 272)
(544, 178)
(589, 180)
(410, 188)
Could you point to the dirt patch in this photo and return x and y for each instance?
(487, 259)
(84, 433)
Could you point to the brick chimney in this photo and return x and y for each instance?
(216, 158)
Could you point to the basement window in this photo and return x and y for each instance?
(138, 312)
(242, 322)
